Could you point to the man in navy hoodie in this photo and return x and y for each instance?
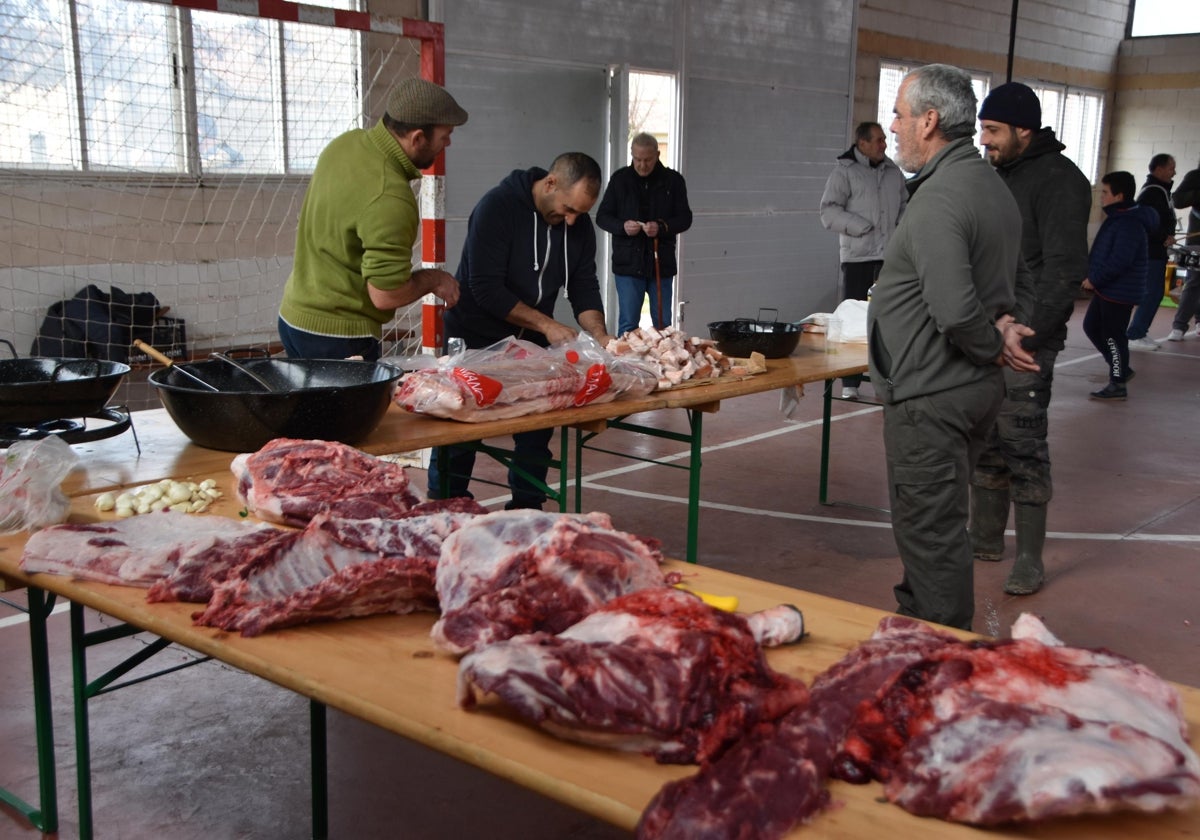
(527, 239)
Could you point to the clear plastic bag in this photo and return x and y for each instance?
(512, 378)
(31, 495)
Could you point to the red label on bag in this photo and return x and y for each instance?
(595, 382)
(483, 389)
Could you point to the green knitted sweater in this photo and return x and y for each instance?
(357, 226)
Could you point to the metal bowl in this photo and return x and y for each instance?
(318, 399)
(743, 336)
(40, 389)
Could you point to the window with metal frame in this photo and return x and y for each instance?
(127, 86)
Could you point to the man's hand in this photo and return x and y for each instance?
(632, 227)
(651, 229)
(1087, 284)
(1014, 355)
(441, 283)
(557, 333)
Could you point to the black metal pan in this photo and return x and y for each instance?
(743, 336)
(320, 399)
(40, 389)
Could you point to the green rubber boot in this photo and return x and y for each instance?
(989, 515)
(1027, 574)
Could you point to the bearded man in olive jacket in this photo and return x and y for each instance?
(1055, 200)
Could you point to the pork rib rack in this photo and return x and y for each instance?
(335, 568)
(520, 571)
(655, 671)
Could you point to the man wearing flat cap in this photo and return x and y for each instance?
(1055, 199)
(353, 265)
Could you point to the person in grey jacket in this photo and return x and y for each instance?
(863, 199)
(1055, 200)
(944, 317)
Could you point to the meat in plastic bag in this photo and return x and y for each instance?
(31, 495)
(513, 377)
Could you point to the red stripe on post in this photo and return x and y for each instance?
(279, 10)
(352, 20)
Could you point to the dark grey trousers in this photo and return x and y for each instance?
(932, 444)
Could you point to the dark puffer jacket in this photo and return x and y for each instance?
(1055, 200)
(662, 197)
(1117, 267)
(1157, 194)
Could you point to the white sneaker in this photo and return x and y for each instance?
(1175, 335)
(1144, 343)
(1196, 332)
(849, 393)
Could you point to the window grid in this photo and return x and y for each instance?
(130, 87)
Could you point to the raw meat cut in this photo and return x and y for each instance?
(1025, 729)
(521, 571)
(291, 481)
(774, 778)
(137, 551)
(655, 671)
(335, 568)
(985, 732)
(196, 575)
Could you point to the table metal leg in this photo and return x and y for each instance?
(320, 770)
(43, 817)
(696, 421)
(83, 750)
(826, 414)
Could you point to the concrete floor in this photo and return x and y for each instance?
(209, 752)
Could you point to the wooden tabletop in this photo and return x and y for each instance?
(167, 453)
(386, 671)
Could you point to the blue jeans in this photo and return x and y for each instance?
(1139, 325)
(300, 344)
(631, 291)
(531, 450)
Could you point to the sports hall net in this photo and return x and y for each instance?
(150, 148)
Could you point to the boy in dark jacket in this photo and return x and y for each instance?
(1117, 276)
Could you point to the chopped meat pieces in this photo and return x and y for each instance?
(656, 671)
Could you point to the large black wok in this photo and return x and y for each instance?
(41, 389)
(743, 336)
(320, 399)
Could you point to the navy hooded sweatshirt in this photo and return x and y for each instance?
(512, 254)
(1117, 265)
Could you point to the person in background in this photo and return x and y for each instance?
(863, 199)
(1188, 196)
(353, 265)
(644, 208)
(527, 239)
(1156, 193)
(1055, 200)
(943, 320)
(1117, 276)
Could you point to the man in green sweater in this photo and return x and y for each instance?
(353, 263)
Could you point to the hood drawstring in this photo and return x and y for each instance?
(566, 264)
(535, 253)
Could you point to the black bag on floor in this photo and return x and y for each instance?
(97, 325)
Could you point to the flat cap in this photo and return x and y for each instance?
(420, 102)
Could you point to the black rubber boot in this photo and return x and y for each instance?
(1027, 573)
(989, 515)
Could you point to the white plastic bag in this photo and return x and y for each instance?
(31, 495)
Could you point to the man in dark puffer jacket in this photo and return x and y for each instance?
(1055, 199)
